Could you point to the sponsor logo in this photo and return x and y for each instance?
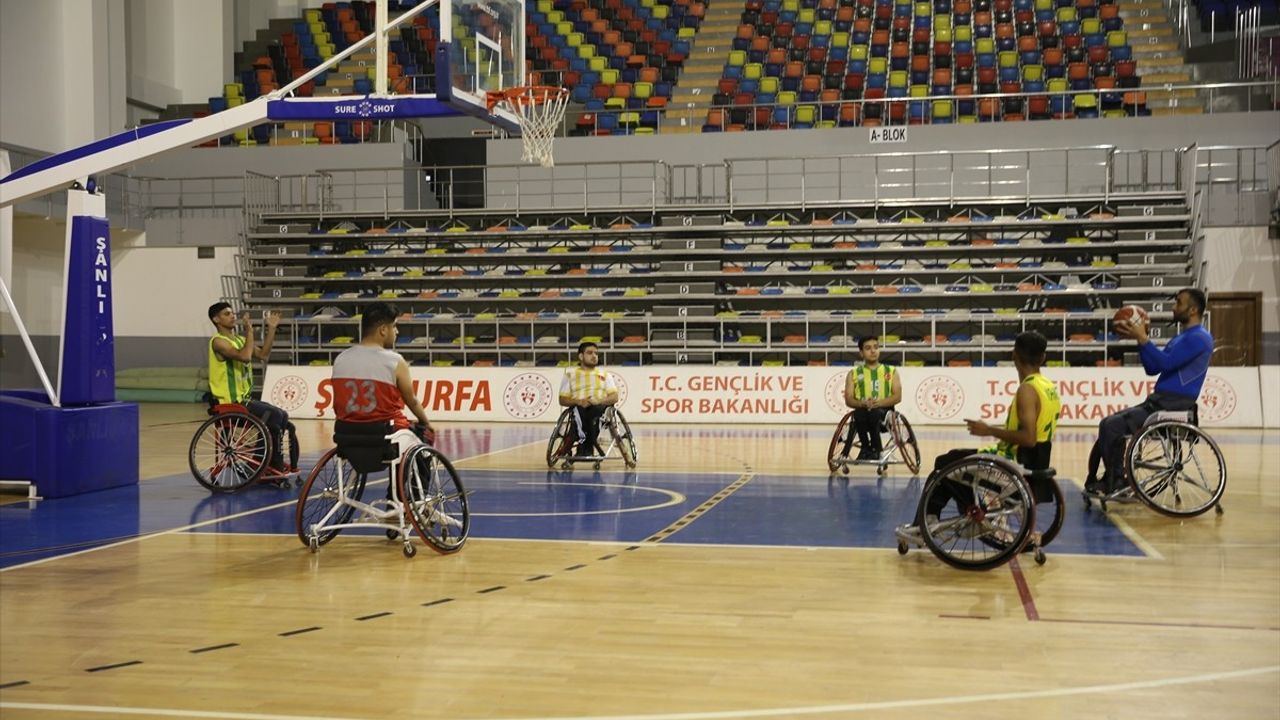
(834, 393)
(1217, 400)
(938, 397)
(622, 387)
(527, 396)
(289, 393)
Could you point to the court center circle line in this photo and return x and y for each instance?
(673, 498)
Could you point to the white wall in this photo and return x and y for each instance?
(178, 51)
(164, 292)
(61, 72)
(1242, 259)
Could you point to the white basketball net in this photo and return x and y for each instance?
(539, 109)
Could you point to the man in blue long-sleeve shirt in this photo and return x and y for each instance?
(1182, 366)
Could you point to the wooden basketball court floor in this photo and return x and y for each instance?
(727, 577)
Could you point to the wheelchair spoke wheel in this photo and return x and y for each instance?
(625, 440)
(434, 497)
(836, 448)
(560, 445)
(1176, 469)
(229, 451)
(905, 438)
(984, 514)
(320, 502)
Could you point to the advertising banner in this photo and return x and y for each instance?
(775, 396)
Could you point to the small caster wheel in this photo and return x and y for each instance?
(1088, 504)
(844, 469)
(314, 544)
(392, 534)
(902, 548)
(881, 470)
(1039, 556)
(566, 465)
(410, 550)
(595, 466)
(1103, 504)
(1217, 508)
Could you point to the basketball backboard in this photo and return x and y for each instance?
(485, 41)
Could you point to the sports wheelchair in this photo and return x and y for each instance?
(424, 491)
(990, 515)
(233, 449)
(561, 445)
(903, 447)
(1172, 466)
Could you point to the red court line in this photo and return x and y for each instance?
(1028, 602)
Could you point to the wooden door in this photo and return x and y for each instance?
(1236, 324)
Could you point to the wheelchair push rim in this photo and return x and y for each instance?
(434, 498)
(904, 436)
(559, 444)
(834, 463)
(987, 527)
(229, 451)
(1176, 469)
(321, 502)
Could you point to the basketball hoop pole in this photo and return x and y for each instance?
(380, 50)
(26, 340)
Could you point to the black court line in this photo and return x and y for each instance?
(211, 648)
(536, 578)
(100, 668)
(16, 683)
(299, 631)
(441, 601)
(374, 616)
(606, 557)
(579, 566)
(495, 588)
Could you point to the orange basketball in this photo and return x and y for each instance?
(1130, 313)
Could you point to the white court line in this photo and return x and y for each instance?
(718, 714)
(204, 523)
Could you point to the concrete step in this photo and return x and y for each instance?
(1164, 34)
(1164, 77)
(1154, 95)
(1154, 43)
(1144, 17)
(1166, 62)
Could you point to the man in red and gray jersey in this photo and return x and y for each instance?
(371, 381)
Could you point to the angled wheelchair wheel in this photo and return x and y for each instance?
(435, 499)
(1176, 469)
(985, 513)
(229, 451)
(560, 446)
(905, 438)
(320, 499)
(1050, 513)
(625, 440)
(837, 443)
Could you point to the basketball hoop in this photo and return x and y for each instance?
(539, 109)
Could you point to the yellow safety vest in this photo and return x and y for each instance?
(230, 381)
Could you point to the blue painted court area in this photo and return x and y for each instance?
(581, 504)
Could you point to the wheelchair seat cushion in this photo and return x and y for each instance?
(365, 445)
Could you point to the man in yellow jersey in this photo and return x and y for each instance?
(231, 373)
(589, 390)
(1027, 434)
(872, 389)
